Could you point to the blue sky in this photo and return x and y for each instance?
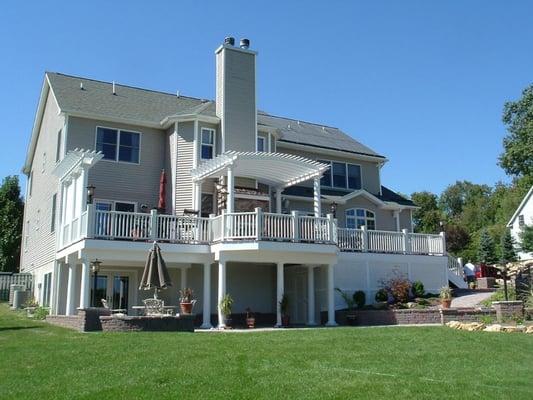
(420, 82)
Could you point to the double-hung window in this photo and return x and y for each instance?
(341, 175)
(118, 145)
(338, 171)
(358, 217)
(208, 143)
(354, 176)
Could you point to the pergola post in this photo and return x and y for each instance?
(280, 291)
(278, 200)
(316, 197)
(331, 296)
(197, 195)
(206, 317)
(231, 190)
(221, 291)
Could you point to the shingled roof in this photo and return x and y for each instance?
(144, 106)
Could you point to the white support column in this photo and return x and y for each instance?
(280, 292)
(443, 238)
(331, 296)
(278, 200)
(311, 295)
(316, 198)
(396, 215)
(56, 288)
(206, 318)
(221, 290)
(197, 197)
(71, 287)
(85, 291)
(230, 201)
(183, 278)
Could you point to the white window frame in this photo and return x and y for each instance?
(356, 217)
(119, 130)
(330, 162)
(266, 143)
(113, 203)
(202, 144)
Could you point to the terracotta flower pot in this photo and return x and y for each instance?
(446, 303)
(250, 322)
(186, 308)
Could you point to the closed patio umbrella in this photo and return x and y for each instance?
(155, 274)
(161, 204)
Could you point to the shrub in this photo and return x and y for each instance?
(382, 295)
(40, 313)
(418, 289)
(349, 300)
(398, 286)
(359, 298)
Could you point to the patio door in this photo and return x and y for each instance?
(114, 287)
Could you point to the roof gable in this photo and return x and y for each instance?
(525, 200)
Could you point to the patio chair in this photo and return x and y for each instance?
(115, 311)
(154, 306)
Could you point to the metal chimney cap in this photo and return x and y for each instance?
(245, 43)
(229, 41)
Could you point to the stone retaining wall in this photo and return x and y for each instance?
(508, 310)
(184, 323)
(86, 320)
(415, 316)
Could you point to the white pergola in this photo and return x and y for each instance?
(275, 169)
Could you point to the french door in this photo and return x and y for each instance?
(115, 287)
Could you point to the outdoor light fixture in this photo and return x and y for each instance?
(334, 209)
(95, 267)
(90, 194)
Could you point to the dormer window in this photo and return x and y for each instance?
(208, 143)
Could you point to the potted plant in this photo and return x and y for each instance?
(350, 305)
(225, 308)
(250, 319)
(284, 308)
(446, 297)
(187, 300)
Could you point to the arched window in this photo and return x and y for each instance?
(357, 217)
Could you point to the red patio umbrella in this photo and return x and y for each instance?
(161, 205)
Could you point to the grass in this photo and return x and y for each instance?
(46, 362)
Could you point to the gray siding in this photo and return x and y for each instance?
(369, 170)
(38, 210)
(184, 166)
(235, 99)
(117, 180)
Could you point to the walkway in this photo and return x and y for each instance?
(469, 298)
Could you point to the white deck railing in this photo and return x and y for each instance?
(244, 226)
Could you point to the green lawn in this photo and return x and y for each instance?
(39, 361)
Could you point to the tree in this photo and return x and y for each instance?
(508, 253)
(486, 252)
(457, 238)
(11, 216)
(526, 239)
(517, 157)
(426, 219)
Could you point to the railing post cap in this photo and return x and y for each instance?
(295, 212)
(212, 215)
(405, 230)
(258, 209)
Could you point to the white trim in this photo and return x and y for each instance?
(119, 132)
(520, 207)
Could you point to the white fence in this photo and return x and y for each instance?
(244, 226)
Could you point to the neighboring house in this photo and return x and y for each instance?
(522, 216)
(249, 201)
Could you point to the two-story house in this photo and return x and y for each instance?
(255, 205)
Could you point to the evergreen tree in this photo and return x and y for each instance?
(508, 253)
(11, 216)
(486, 249)
(526, 239)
